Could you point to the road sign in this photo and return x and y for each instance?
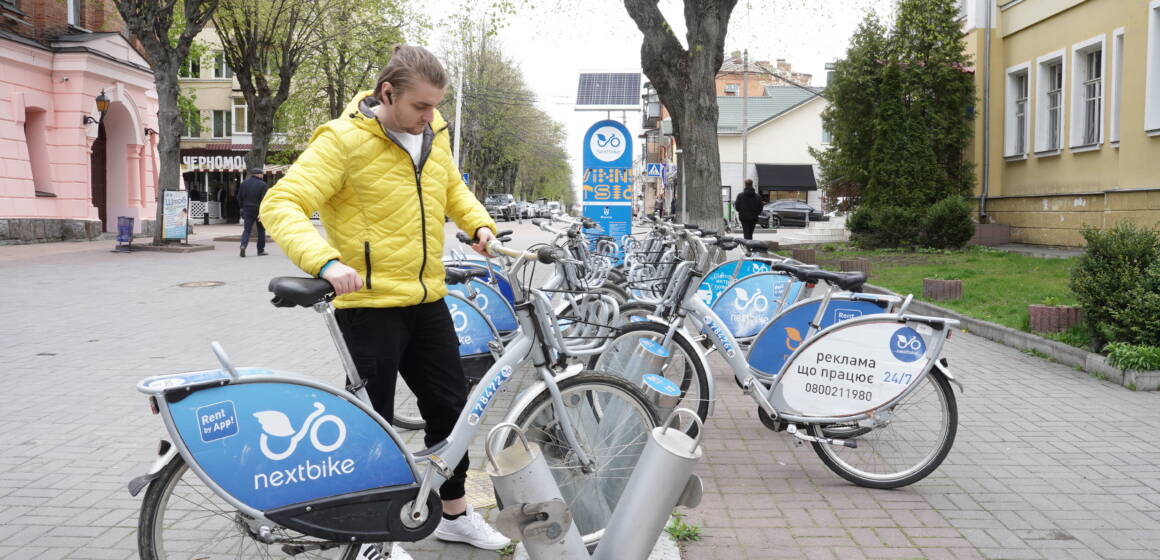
(467, 179)
(655, 170)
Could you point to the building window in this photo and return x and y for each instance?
(732, 89)
(221, 124)
(1087, 89)
(1017, 121)
(827, 138)
(191, 68)
(191, 124)
(1049, 103)
(243, 124)
(1152, 87)
(221, 68)
(74, 13)
(1117, 84)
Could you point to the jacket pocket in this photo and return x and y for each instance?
(367, 258)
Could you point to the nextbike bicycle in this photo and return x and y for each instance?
(262, 463)
(865, 385)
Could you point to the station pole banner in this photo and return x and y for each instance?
(175, 214)
(608, 179)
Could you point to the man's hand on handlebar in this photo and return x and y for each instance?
(483, 236)
(343, 278)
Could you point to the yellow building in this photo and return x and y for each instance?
(1073, 134)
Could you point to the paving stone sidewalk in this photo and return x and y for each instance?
(1049, 462)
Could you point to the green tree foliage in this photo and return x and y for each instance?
(508, 145)
(359, 37)
(1117, 282)
(899, 120)
(853, 95)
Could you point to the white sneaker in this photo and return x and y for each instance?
(473, 530)
(374, 551)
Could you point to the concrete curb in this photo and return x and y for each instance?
(1066, 354)
(176, 248)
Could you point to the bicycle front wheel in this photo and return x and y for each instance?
(912, 438)
(182, 518)
(612, 421)
(684, 367)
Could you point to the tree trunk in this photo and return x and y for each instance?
(263, 128)
(169, 145)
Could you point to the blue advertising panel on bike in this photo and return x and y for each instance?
(275, 444)
(491, 302)
(721, 277)
(500, 281)
(751, 303)
(774, 345)
(470, 327)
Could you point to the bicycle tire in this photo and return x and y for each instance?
(687, 371)
(880, 451)
(204, 513)
(406, 410)
(607, 409)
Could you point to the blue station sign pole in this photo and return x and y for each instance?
(608, 178)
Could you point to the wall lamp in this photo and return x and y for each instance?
(102, 106)
(150, 131)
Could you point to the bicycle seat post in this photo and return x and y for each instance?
(353, 379)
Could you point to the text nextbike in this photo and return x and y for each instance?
(305, 471)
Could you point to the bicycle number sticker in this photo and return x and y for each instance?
(217, 421)
(852, 370)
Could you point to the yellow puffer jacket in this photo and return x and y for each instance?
(383, 217)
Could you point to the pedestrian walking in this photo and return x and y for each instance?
(748, 206)
(250, 195)
(383, 179)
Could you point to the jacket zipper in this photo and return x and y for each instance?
(419, 191)
(367, 256)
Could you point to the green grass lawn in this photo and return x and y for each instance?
(997, 285)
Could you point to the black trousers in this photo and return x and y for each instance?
(419, 344)
(248, 221)
(747, 228)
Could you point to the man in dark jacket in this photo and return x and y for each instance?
(748, 206)
(250, 194)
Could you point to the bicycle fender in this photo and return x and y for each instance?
(944, 368)
(140, 482)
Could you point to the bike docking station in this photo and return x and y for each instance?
(533, 510)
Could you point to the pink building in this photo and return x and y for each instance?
(67, 171)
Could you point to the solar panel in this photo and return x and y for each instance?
(608, 88)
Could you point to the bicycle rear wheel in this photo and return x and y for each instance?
(612, 421)
(914, 436)
(182, 518)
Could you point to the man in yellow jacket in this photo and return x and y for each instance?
(382, 178)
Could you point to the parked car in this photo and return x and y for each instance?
(501, 206)
(554, 208)
(525, 209)
(789, 212)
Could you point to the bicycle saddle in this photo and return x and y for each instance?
(755, 245)
(304, 292)
(727, 243)
(850, 281)
(462, 275)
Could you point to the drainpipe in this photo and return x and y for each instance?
(986, 113)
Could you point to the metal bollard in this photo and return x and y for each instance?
(663, 478)
(647, 357)
(534, 510)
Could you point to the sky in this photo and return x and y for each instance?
(553, 41)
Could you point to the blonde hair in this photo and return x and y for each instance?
(408, 64)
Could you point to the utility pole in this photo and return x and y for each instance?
(745, 120)
(458, 113)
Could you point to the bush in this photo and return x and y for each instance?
(948, 224)
(1116, 282)
(882, 227)
(1132, 356)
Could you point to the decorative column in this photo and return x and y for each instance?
(133, 174)
(141, 173)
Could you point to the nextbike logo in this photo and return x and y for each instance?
(276, 424)
(487, 394)
(607, 143)
(907, 345)
(758, 302)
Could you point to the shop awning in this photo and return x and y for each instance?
(786, 177)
